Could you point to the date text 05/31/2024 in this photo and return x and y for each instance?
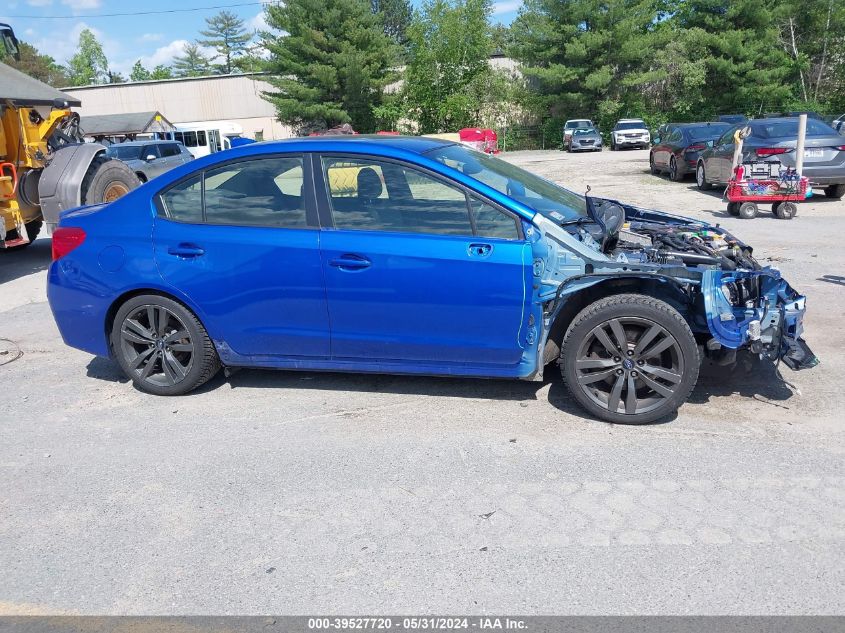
(417, 623)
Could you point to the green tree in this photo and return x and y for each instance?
(139, 73)
(89, 65)
(396, 18)
(226, 34)
(161, 72)
(330, 66)
(41, 67)
(115, 77)
(450, 46)
(192, 63)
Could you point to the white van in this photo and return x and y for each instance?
(205, 137)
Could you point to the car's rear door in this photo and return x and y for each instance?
(411, 276)
(720, 158)
(241, 242)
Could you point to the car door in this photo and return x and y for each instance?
(154, 162)
(240, 242)
(411, 276)
(720, 160)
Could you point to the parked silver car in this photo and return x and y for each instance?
(149, 159)
(585, 140)
(774, 140)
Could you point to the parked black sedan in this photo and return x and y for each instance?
(774, 140)
(676, 151)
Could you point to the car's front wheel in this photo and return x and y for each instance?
(701, 177)
(161, 346)
(629, 359)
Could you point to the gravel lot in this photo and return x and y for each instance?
(327, 493)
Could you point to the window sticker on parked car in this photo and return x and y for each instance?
(557, 216)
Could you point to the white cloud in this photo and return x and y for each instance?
(163, 55)
(81, 5)
(258, 23)
(506, 6)
(151, 37)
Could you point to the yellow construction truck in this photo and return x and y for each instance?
(45, 165)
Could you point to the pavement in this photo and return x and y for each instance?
(306, 493)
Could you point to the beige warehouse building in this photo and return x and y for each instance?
(212, 99)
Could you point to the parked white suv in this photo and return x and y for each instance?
(629, 133)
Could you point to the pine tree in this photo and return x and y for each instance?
(330, 66)
(227, 35)
(396, 18)
(192, 63)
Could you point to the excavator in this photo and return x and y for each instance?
(46, 166)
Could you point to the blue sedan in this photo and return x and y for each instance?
(412, 256)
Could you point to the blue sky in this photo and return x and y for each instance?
(155, 39)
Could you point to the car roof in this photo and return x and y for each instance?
(135, 143)
(630, 121)
(415, 144)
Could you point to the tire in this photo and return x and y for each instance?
(701, 177)
(613, 147)
(651, 166)
(33, 228)
(106, 180)
(835, 191)
(785, 210)
(733, 209)
(659, 390)
(674, 176)
(145, 342)
(747, 210)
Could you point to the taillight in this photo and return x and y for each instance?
(65, 239)
(841, 148)
(696, 148)
(772, 151)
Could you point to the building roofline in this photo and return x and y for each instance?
(165, 81)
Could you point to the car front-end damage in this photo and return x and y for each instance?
(730, 302)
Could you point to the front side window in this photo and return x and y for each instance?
(261, 192)
(371, 195)
(169, 149)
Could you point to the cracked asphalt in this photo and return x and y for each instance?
(305, 493)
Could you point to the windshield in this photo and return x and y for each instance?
(545, 197)
(630, 125)
(577, 124)
(124, 152)
(584, 131)
(706, 132)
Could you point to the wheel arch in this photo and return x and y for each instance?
(60, 185)
(592, 288)
(146, 290)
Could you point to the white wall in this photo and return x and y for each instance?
(231, 97)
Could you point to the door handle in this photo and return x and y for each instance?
(480, 250)
(186, 250)
(350, 262)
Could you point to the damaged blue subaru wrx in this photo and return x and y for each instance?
(410, 256)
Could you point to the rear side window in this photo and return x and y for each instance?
(262, 192)
(183, 201)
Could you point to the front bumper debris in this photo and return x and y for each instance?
(771, 324)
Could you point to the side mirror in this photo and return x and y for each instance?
(150, 158)
(656, 140)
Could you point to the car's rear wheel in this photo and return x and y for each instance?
(674, 174)
(701, 177)
(629, 359)
(835, 191)
(161, 346)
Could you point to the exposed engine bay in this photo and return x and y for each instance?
(732, 302)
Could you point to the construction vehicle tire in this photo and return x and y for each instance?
(106, 180)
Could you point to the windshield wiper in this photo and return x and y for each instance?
(581, 220)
